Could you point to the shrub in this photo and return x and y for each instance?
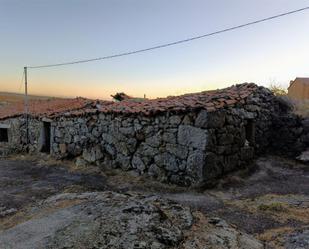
(278, 90)
(275, 207)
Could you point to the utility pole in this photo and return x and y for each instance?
(26, 107)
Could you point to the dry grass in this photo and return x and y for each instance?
(25, 214)
(275, 237)
(116, 178)
(274, 206)
(10, 98)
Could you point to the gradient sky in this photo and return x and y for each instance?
(34, 32)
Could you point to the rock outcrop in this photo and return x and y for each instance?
(120, 221)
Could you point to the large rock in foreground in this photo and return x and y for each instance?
(120, 221)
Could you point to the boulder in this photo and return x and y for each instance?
(195, 166)
(124, 221)
(137, 163)
(92, 155)
(123, 161)
(101, 220)
(177, 150)
(192, 136)
(167, 161)
(156, 172)
(174, 120)
(201, 120)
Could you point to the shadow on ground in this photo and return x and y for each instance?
(25, 182)
(271, 203)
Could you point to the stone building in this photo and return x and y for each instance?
(299, 89)
(187, 140)
(13, 135)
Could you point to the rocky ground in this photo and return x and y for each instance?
(47, 205)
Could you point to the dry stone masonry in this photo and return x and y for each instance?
(188, 140)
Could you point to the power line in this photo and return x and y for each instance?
(172, 43)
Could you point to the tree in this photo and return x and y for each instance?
(278, 90)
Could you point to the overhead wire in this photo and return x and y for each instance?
(171, 43)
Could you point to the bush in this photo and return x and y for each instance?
(120, 96)
(273, 207)
(278, 90)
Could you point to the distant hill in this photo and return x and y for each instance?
(9, 98)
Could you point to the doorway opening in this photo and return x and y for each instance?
(4, 137)
(250, 132)
(46, 137)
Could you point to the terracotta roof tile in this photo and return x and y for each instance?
(209, 100)
(44, 108)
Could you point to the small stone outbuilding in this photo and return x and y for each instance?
(13, 135)
(299, 89)
(187, 140)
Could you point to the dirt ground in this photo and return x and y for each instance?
(25, 183)
(270, 202)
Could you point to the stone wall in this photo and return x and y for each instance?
(13, 145)
(167, 147)
(291, 136)
(17, 136)
(183, 148)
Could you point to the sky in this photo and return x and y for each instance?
(35, 32)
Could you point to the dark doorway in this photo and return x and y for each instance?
(250, 132)
(4, 137)
(46, 137)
